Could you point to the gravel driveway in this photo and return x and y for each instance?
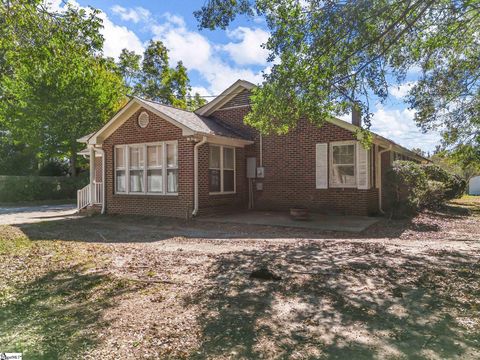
(32, 214)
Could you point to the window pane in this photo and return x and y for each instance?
(228, 158)
(154, 181)
(343, 154)
(214, 157)
(120, 181)
(120, 157)
(344, 174)
(172, 180)
(154, 156)
(136, 157)
(228, 180)
(136, 181)
(172, 155)
(214, 180)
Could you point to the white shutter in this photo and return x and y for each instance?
(363, 167)
(321, 165)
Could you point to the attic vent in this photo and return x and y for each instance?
(143, 119)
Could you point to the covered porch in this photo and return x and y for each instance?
(93, 193)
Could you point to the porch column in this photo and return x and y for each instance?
(92, 175)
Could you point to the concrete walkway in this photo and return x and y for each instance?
(31, 214)
(318, 222)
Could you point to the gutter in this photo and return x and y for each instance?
(195, 175)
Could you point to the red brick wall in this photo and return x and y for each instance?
(98, 169)
(221, 202)
(180, 205)
(289, 162)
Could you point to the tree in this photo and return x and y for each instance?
(129, 67)
(154, 79)
(334, 54)
(195, 102)
(55, 86)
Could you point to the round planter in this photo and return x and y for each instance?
(299, 213)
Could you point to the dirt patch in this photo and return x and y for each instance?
(110, 287)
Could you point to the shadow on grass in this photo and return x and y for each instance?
(131, 229)
(57, 316)
(336, 302)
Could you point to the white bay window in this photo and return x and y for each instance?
(143, 168)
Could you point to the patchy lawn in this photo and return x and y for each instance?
(114, 287)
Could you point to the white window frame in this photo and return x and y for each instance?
(222, 192)
(330, 164)
(126, 149)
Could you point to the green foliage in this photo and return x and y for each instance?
(53, 168)
(413, 186)
(332, 55)
(54, 84)
(407, 187)
(154, 79)
(16, 158)
(31, 188)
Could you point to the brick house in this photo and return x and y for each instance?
(153, 159)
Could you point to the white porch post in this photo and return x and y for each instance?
(92, 175)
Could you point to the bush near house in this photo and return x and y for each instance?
(31, 188)
(413, 186)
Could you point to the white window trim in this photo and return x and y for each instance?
(330, 163)
(126, 150)
(221, 192)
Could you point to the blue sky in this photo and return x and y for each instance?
(215, 59)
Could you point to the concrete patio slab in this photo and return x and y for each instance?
(318, 222)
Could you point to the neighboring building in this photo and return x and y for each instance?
(153, 159)
(474, 186)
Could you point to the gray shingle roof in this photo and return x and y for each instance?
(195, 122)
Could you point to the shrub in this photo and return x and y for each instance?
(407, 187)
(413, 186)
(455, 186)
(30, 188)
(53, 168)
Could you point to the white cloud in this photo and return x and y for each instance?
(199, 54)
(202, 91)
(249, 50)
(402, 90)
(399, 126)
(116, 37)
(135, 14)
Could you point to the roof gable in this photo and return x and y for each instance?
(189, 122)
(238, 87)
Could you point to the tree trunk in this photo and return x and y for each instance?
(73, 162)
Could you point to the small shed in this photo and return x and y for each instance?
(474, 186)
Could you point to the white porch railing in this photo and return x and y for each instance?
(98, 193)
(84, 196)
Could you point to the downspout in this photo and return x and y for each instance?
(195, 175)
(92, 175)
(102, 153)
(261, 150)
(379, 167)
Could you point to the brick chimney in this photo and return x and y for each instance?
(356, 115)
